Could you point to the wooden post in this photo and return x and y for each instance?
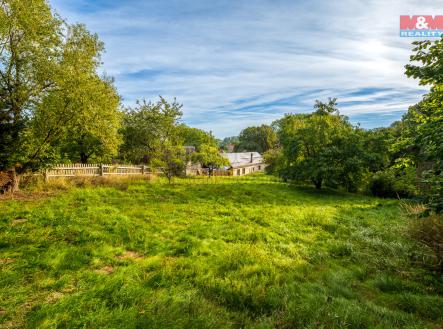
(45, 175)
(143, 169)
(100, 169)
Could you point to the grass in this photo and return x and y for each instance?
(236, 253)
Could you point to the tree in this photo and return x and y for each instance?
(322, 147)
(209, 157)
(275, 161)
(229, 143)
(196, 137)
(98, 136)
(30, 43)
(422, 136)
(170, 159)
(259, 139)
(146, 127)
(49, 87)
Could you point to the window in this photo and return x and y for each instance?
(243, 171)
(238, 172)
(259, 167)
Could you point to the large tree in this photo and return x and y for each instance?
(147, 126)
(30, 50)
(422, 135)
(196, 137)
(83, 111)
(259, 139)
(321, 147)
(50, 91)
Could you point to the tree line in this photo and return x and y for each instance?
(56, 106)
(323, 148)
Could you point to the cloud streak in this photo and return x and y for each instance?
(238, 63)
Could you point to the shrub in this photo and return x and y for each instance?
(429, 232)
(388, 184)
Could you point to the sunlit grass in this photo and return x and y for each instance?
(223, 252)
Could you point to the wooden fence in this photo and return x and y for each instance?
(74, 170)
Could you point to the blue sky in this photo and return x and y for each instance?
(237, 63)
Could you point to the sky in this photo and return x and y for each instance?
(238, 63)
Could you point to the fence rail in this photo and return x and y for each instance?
(74, 170)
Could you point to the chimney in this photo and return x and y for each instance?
(252, 157)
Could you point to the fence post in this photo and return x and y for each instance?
(45, 175)
(100, 169)
(143, 169)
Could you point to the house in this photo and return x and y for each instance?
(244, 163)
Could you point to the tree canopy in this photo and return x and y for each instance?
(147, 126)
(259, 139)
(50, 92)
(321, 147)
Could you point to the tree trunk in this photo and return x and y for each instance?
(318, 183)
(15, 180)
(84, 157)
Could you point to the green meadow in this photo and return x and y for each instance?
(226, 253)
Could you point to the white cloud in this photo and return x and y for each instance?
(211, 55)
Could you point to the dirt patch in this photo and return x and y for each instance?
(54, 296)
(130, 255)
(19, 221)
(105, 270)
(5, 261)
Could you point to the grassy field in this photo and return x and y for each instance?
(252, 253)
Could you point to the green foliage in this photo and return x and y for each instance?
(257, 139)
(422, 138)
(275, 161)
(429, 56)
(209, 157)
(30, 46)
(54, 104)
(229, 142)
(236, 253)
(196, 137)
(146, 127)
(170, 159)
(391, 183)
(322, 148)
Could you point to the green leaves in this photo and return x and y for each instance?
(147, 127)
(321, 147)
(259, 139)
(429, 55)
(422, 137)
(209, 157)
(54, 104)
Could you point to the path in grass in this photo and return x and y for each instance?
(254, 253)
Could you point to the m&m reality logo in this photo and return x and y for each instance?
(428, 26)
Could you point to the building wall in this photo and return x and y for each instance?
(248, 169)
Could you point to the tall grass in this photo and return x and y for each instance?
(224, 252)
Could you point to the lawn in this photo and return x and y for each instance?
(237, 253)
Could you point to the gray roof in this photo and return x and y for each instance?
(243, 158)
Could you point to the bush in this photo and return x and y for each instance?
(429, 232)
(388, 184)
(434, 194)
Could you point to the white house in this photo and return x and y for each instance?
(244, 163)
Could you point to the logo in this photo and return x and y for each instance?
(428, 26)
